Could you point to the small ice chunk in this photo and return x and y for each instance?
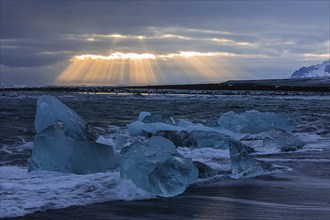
(120, 142)
(105, 140)
(54, 151)
(153, 128)
(135, 128)
(158, 118)
(157, 167)
(204, 171)
(212, 139)
(243, 164)
(253, 122)
(276, 139)
(282, 140)
(179, 138)
(190, 126)
(50, 109)
(216, 140)
(142, 115)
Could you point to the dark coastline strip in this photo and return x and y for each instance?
(300, 85)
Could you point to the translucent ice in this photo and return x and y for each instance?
(253, 122)
(54, 151)
(137, 127)
(149, 118)
(179, 138)
(282, 140)
(120, 142)
(243, 164)
(204, 171)
(65, 143)
(50, 109)
(190, 126)
(212, 139)
(276, 139)
(157, 167)
(142, 115)
(153, 128)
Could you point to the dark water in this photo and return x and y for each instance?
(299, 191)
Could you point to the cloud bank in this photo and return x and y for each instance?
(237, 39)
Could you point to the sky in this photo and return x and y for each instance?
(159, 42)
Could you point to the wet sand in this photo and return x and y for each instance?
(301, 193)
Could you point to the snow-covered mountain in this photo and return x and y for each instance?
(318, 70)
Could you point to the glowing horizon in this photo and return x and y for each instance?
(121, 55)
(119, 68)
(116, 55)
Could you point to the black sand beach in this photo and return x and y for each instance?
(302, 193)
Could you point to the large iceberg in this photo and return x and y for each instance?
(253, 122)
(50, 109)
(54, 151)
(157, 167)
(243, 164)
(184, 133)
(63, 142)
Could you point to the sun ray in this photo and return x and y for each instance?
(185, 70)
(72, 73)
(153, 66)
(118, 68)
(110, 74)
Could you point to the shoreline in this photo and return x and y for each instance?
(321, 85)
(302, 193)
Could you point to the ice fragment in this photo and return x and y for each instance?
(157, 167)
(54, 151)
(243, 164)
(253, 122)
(64, 143)
(50, 109)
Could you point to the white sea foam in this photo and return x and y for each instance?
(25, 146)
(23, 193)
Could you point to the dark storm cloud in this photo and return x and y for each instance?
(33, 18)
(16, 58)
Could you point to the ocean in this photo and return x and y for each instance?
(299, 188)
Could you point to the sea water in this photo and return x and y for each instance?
(23, 193)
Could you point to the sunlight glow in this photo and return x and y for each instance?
(231, 42)
(120, 68)
(187, 54)
(168, 34)
(175, 36)
(117, 36)
(317, 56)
(120, 55)
(116, 55)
